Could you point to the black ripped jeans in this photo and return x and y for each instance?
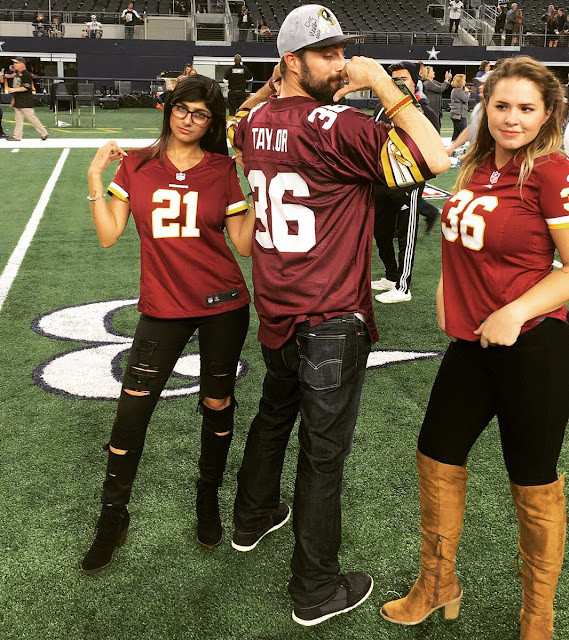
(157, 346)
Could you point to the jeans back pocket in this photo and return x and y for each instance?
(320, 360)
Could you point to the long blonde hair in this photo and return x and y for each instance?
(548, 139)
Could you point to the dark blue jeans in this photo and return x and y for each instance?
(318, 373)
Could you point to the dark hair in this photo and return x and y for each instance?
(396, 66)
(194, 88)
(483, 65)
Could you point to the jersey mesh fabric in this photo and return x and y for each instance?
(312, 169)
(183, 277)
(497, 245)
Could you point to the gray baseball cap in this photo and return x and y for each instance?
(307, 27)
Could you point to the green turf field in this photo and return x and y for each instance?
(161, 584)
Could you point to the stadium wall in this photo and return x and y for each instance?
(147, 58)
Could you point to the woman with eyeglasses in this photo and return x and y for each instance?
(182, 192)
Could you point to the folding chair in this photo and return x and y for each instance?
(63, 94)
(85, 96)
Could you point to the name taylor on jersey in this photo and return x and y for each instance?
(270, 139)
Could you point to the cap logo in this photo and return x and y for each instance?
(327, 16)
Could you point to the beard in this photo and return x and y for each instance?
(321, 90)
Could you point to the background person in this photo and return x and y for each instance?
(129, 16)
(311, 272)
(459, 97)
(186, 234)
(188, 71)
(434, 91)
(499, 25)
(455, 14)
(57, 29)
(510, 24)
(23, 101)
(238, 77)
(94, 29)
(509, 344)
(397, 211)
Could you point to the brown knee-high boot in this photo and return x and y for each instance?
(443, 498)
(542, 523)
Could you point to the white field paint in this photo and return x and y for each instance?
(15, 262)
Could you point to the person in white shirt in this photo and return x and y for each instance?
(94, 28)
(129, 16)
(455, 13)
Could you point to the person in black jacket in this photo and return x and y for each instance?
(237, 76)
(397, 210)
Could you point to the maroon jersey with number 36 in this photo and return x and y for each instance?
(312, 168)
(187, 270)
(497, 245)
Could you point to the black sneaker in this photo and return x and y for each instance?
(210, 533)
(354, 588)
(112, 528)
(44, 137)
(12, 139)
(246, 541)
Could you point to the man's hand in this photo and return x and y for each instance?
(359, 74)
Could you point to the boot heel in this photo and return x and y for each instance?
(452, 609)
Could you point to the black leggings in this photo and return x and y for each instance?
(155, 350)
(524, 385)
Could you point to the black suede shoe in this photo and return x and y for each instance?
(210, 533)
(353, 589)
(112, 528)
(243, 541)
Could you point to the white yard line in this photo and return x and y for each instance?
(77, 143)
(15, 262)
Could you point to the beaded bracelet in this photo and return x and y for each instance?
(93, 198)
(398, 106)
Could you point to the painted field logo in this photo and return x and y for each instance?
(95, 372)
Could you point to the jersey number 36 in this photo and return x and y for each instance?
(279, 236)
(464, 222)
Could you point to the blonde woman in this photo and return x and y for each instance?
(459, 97)
(509, 344)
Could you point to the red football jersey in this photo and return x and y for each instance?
(312, 169)
(497, 245)
(187, 269)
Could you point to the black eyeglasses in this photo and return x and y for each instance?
(198, 117)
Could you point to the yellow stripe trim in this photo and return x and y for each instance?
(234, 208)
(558, 226)
(406, 153)
(115, 192)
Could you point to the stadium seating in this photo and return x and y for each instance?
(381, 16)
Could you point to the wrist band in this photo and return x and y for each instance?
(93, 198)
(398, 106)
(378, 77)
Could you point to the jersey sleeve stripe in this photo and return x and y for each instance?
(117, 191)
(233, 121)
(237, 207)
(558, 223)
(398, 164)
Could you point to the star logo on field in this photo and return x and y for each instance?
(433, 54)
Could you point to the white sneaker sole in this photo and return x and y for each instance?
(311, 623)
(239, 547)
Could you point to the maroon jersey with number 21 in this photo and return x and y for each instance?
(186, 268)
(312, 169)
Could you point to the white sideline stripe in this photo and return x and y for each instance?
(15, 261)
(76, 143)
